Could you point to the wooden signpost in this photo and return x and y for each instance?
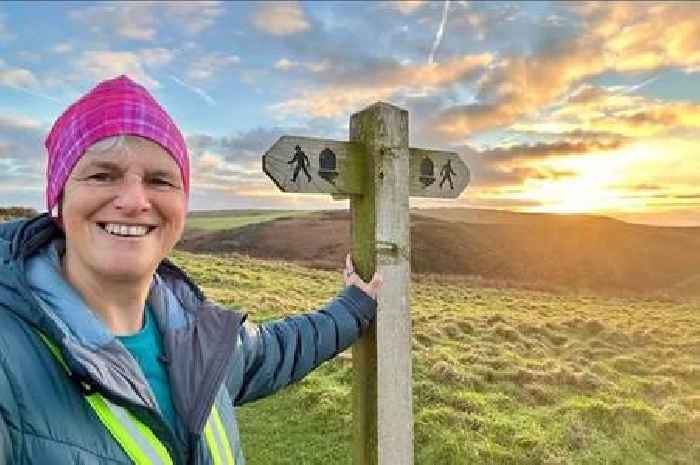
(378, 171)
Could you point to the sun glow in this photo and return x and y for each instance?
(593, 185)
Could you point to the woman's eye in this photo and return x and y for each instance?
(102, 177)
(161, 182)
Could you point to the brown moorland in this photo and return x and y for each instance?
(538, 250)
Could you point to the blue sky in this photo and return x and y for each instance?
(560, 107)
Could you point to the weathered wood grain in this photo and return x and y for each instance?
(382, 378)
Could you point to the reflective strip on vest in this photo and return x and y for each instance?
(136, 439)
(215, 435)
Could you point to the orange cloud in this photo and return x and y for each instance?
(546, 150)
(406, 7)
(382, 83)
(515, 165)
(619, 37)
(598, 110)
(517, 86)
(639, 36)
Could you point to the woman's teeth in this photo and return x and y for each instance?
(126, 230)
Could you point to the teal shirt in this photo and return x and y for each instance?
(147, 348)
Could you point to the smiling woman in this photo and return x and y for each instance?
(123, 209)
(109, 353)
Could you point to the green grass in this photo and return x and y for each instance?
(501, 376)
(216, 221)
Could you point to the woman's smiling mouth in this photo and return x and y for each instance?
(126, 230)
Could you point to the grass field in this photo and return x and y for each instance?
(218, 220)
(501, 376)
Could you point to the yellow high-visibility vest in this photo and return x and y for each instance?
(136, 439)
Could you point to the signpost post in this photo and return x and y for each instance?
(378, 171)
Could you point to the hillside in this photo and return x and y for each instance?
(501, 376)
(10, 213)
(579, 251)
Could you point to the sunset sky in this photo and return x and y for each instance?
(555, 107)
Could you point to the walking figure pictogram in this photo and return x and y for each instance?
(446, 172)
(302, 163)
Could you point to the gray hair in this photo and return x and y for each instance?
(107, 144)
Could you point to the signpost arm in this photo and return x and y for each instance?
(382, 389)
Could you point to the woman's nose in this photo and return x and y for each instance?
(133, 196)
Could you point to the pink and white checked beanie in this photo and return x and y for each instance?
(114, 107)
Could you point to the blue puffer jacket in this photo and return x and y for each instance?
(214, 357)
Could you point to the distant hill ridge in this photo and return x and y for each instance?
(8, 213)
(581, 251)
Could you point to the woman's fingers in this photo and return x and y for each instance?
(351, 278)
(375, 284)
(349, 275)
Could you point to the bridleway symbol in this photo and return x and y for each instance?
(316, 166)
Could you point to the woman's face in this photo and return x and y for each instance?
(123, 210)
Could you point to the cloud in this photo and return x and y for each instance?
(63, 47)
(18, 78)
(511, 166)
(647, 187)
(542, 150)
(142, 20)
(596, 109)
(206, 66)
(285, 64)
(614, 37)
(473, 22)
(233, 163)
(106, 64)
(22, 156)
(194, 17)
(215, 172)
(517, 86)
(280, 18)
(18, 123)
(652, 119)
(645, 36)
(241, 147)
(353, 89)
(406, 7)
(128, 20)
(23, 80)
(154, 57)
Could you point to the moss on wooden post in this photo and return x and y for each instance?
(382, 402)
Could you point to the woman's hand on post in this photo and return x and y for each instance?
(353, 279)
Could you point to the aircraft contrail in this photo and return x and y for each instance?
(207, 98)
(438, 35)
(641, 85)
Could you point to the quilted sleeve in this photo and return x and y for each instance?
(273, 355)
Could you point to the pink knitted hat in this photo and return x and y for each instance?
(114, 107)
